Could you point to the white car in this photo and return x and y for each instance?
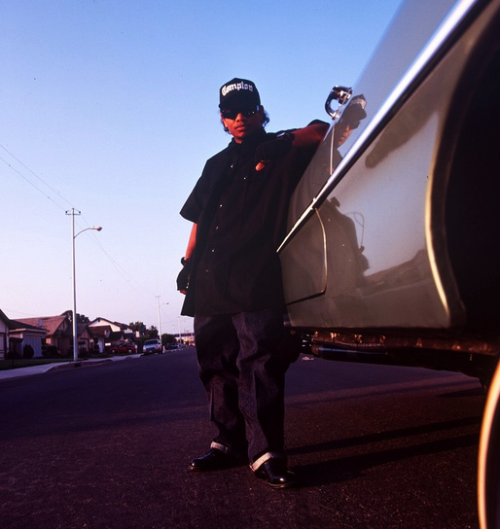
(152, 346)
(393, 250)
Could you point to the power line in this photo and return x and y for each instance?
(126, 277)
(24, 177)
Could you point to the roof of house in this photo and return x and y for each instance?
(5, 319)
(102, 330)
(52, 324)
(22, 326)
(82, 327)
(105, 323)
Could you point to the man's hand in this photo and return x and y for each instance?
(271, 150)
(184, 276)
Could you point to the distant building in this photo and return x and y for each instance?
(4, 335)
(107, 333)
(17, 338)
(22, 336)
(59, 334)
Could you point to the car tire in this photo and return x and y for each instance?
(489, 459)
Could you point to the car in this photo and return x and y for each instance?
(123, 348)
(392, 250)
(152, 346)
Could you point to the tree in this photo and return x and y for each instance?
(80, 318)
(138, 327)
(152, 332)
(168, 339)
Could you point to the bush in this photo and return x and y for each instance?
(28, 351)
(50, 351)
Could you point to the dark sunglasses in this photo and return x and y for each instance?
(246, 112)
(350, 123)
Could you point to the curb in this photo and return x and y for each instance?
(36, 370)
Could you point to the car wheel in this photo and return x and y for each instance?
(489, 459)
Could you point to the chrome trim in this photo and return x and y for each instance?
(322, 290)
(340, 94)
(450, 29)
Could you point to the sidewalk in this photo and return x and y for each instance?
(36, 370)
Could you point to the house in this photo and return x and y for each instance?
(59, 333)
(107, 333)
(86, 339)
(56, 333)
(17, 337)
(4, 335)
(23, 336)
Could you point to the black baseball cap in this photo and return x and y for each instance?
(355, 109)
(238, 93)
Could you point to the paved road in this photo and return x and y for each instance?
(108, 447)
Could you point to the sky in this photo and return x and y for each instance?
(110, 107)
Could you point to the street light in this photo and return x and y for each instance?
(159, 316)
(159, 320)
(74, 212)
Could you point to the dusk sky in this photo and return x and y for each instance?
(110, 107)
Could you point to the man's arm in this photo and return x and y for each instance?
(192, 242)
(310, 135)
(184, 274)
(306, 137)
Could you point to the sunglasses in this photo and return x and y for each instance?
(246, 112)
(350, 123)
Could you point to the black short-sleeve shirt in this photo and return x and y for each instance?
(241, 215)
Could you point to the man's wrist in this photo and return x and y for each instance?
(285, 135)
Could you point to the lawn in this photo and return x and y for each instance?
(22, 362)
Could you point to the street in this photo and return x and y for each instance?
(109, 446)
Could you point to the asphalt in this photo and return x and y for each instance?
(7, 374)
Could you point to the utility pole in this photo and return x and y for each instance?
(74, 212)
(159, 317)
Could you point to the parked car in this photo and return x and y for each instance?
(152, 346)
(392, 254)
(123, 348)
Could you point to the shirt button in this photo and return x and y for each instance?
(213, 250)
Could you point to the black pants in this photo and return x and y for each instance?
(244, 375)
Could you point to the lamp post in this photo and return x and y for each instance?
(74, 212)
(159, 315)
(159, 319)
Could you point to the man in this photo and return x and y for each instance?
(349, 121)
(232, 281)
